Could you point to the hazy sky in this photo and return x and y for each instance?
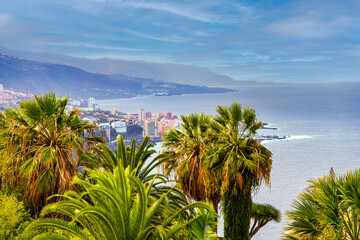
(290, 41)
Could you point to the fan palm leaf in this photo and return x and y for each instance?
(117, 206)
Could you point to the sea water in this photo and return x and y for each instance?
(322, 120)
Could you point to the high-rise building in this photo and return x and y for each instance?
(106, 128)
(169, 115)
(91, 103)
(151, 128)
(1, 87)
(141, 116)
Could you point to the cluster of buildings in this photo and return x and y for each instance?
(113, 122)
(9, 98)
(157, 124)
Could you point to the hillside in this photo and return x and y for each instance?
(178, 73)
(39, 77)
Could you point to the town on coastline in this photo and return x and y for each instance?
(114, 122)
(129, 125)
(111, 123)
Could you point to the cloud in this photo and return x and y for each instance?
(95, 46)
(309, 26)
(172, 38)
(171, 8)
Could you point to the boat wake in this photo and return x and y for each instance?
(296, 137)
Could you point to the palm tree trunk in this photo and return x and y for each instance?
(237, 213)
(216, 209)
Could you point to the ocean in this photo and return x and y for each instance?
(322, 120)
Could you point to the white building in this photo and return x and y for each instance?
(120, 127)
(1, 87)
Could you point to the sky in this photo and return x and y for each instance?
(278, 41)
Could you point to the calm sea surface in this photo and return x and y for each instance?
(323, 122)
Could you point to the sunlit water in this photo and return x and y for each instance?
(323, 122)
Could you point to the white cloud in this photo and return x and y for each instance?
(96, 46)
(171, 38)
(183, 11)
(309, 26)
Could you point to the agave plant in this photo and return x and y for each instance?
(116, 206)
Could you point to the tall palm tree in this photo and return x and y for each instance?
(241, 164)
(43, 147)
(327, 209)
(183, 156)
(117, 206)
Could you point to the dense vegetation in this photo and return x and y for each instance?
(329, 208)
(59, 181)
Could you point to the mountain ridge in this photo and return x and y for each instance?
(39, 77)
(171, 72)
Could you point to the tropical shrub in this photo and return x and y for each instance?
(141, 162)
(113, 205)
(13, 217)
(327, 209)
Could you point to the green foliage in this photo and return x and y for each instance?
(43, 147)
(204, 226)
(327, 209)
(134, 130)
(140, 161)
(241, 164)
(13, 217)
(262, 214)
(184, 154)
(218, 158)
(116, 206)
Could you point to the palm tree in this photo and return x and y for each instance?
(137, 158)
(116, 206)
(140, 161)
(240, 162)
(184, 151)
(327, 209)
(43, 147)
(261, 215)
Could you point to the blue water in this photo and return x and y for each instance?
(322, 120)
